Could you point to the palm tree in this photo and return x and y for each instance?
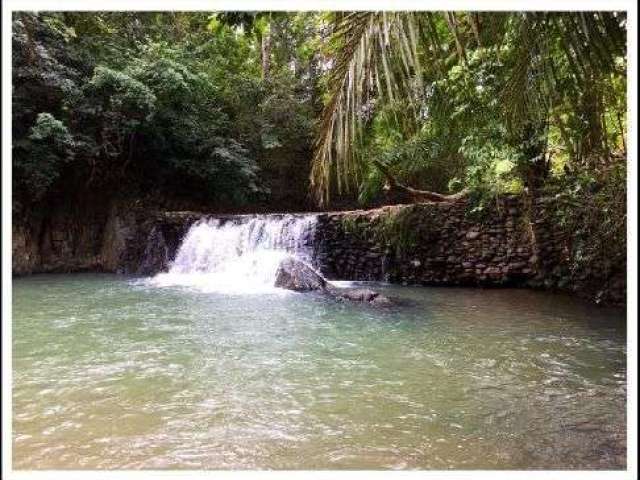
(383, 58)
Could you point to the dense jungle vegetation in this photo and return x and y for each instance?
(275, 110)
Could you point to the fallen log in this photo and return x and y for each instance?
(413, 195)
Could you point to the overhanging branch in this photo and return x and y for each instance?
(414, 195)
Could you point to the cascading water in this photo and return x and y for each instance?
(239, 255)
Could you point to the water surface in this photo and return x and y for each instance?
(113, 372)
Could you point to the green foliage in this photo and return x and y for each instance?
(121, 106)
(122, 93)
(167, 103)
(460, 142)
(590, 212)
(519, 79)
(220, 107)
(286, 117)
(492, 169)
(42, 155)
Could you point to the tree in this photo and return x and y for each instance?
(174, 105)
(392, 63)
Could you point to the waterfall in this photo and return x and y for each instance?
(238, 255)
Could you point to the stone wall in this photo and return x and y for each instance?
(63, 240)
(516, 243)
(92, 237)
(602, 280)
(428, 244)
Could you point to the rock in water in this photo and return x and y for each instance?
(381, 301)
(293, 274)
(364, 295)
(359, 295)
(156, 253)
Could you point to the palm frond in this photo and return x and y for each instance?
(396, 58)
(378, 59)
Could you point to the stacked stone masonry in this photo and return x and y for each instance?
(427, 244)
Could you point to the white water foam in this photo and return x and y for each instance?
(238, 256)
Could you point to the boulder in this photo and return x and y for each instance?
(381, 301)
(363, 295)
(358, 294)
(294, 274)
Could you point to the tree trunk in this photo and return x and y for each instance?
(624, 143)
(452, 23)
(475, 26)
(266, 52)
(404, 194)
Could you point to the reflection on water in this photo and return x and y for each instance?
(112, 372)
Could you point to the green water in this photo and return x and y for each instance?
(110, 372)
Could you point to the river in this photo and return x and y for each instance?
(114, 372)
